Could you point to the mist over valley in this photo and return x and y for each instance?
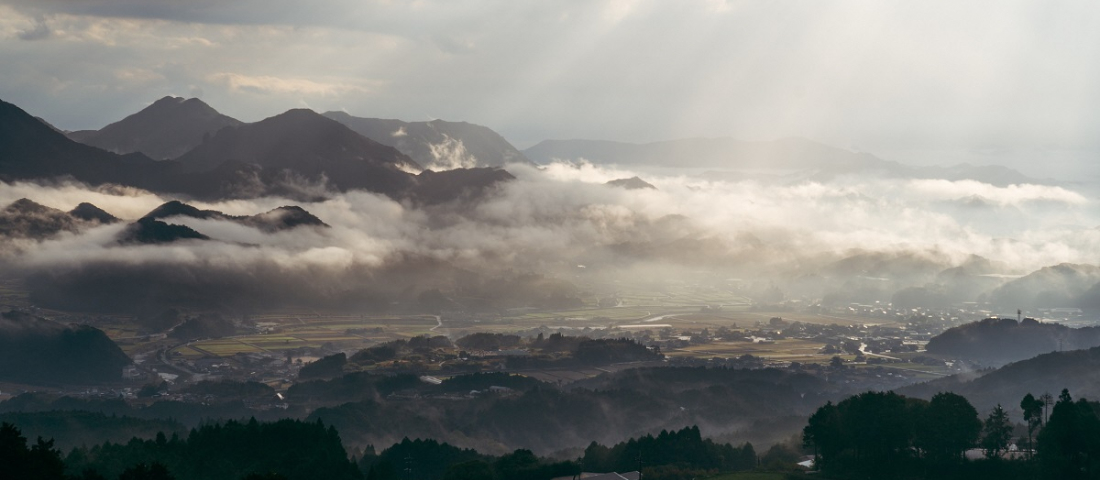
(417, 240)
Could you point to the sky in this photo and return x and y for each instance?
(931, 82)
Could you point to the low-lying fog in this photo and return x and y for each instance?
(549, 221)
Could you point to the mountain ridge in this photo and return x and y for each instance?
(167, 128)
(437, 143)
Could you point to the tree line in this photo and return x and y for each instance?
(297, 450)
(282, 450)
(886, 435)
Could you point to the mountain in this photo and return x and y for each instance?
(288, 155)
(166, 129)
(632, 183)
(461, 184)
(997, 341)
(31, 149)
(282, 218)
(91, 213)
(1077, 370)
(438, 144)
(151, 231)
(36, 350)
(26, 219)
(1063, 285)
(308, 147)
(176, 208)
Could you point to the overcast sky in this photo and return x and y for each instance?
(927, 82)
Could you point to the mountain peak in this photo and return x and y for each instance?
(26, 205)
(152, 231)
(91, 213)
(176, 208)
(167, 99)
(632, 183)
(167, 128)
(309, 145)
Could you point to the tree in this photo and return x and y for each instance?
(870, 432)
(1069, 444)
(823, 432)
(1047, 400)
(472, 470)
(997, 433)
(836, 362)
(40, 461)
(947, 427)
(264, 476)
(141, 471)
(1033, 415)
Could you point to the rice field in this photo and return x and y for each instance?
(789, 350)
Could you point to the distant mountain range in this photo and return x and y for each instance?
(173, 126)
(727, 155)
(438, 143)
(297, 154)
(308, 147)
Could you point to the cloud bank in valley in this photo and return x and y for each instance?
(548, 221)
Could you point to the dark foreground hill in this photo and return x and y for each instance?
(39, 351)
(166, 129)
(438, 143)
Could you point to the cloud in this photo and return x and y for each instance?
(547, 221)
(40, 31)
(449, 154)
(298, 86)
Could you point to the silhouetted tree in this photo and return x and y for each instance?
(1069, 444)
(472, 470)
(141, 471)
(40, 461)
(996, 433)
(946, 427)
(1033, 415)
